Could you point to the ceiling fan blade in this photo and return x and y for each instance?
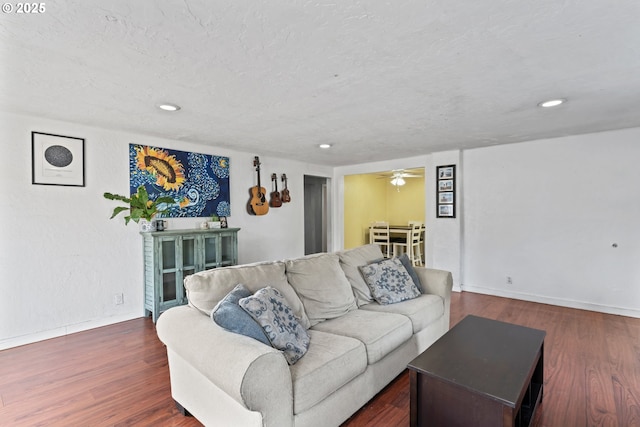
(398, 173)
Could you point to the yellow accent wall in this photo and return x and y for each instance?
(408, 203)
(364, 202)
(368, 198)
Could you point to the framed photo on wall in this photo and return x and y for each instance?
(445, 185)
(57, 160)
(446, 172)
(446, 194)
(445, 210)
(445, 197)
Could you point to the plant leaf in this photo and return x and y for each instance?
(165, 199)
(162, 204)
(143, 196)
(117, 210)
(116, 197)
(137, 213)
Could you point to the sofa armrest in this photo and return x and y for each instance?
(438, 282)
(255, 375)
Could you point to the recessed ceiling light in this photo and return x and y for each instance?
(552, 103)
(324, 146)
(169, 107)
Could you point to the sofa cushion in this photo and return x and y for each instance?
(350, 260)
(381, 333)
(422, 311)
(270, 309)
(321, 285)
(331, 362)
(206, 288)
(389, 281)
(229, 315)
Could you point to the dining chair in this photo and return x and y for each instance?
(412, 244)
(421, 246)
(379, 235)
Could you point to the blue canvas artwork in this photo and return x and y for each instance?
(199, 183)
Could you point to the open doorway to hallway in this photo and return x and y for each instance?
(316, 214)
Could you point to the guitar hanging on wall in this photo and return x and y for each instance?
(274, 200)
(258, 203)
(286, 197)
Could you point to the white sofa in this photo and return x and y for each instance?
(357, 346)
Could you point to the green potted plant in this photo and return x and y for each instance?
(214, 222)
(139, 205)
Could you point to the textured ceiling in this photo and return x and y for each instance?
(376, 79)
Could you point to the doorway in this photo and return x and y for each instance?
(396, 196)
(316, 214)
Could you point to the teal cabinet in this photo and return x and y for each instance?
(170, 256)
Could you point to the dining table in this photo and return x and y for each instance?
(402, 234)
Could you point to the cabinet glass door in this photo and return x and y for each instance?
(228, 249)
(188, 256)
(211, 252)
(168, 269)
(189, 265)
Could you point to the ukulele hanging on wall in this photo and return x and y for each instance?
(286, 198)
(258, 203)
(274, 200)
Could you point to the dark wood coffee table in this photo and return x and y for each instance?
(480, 373)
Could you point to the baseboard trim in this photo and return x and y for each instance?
(581, 305)
(65, 330)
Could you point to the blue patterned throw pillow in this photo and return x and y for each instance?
(270, 309)
(228, 314)
(406, 262)
(389, 281)
(404, 259)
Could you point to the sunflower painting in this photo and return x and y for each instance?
(199, 183)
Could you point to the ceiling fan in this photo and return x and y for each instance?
(397, 176)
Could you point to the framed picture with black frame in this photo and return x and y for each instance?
(57, 160)
(446, 194)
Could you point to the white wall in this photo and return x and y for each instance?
(443, 237)
(62, 260)
(547, 213)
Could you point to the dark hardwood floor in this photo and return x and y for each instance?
(591, 365)
(118, 375)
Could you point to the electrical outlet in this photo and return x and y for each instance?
(118, 299)
(509, 281)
